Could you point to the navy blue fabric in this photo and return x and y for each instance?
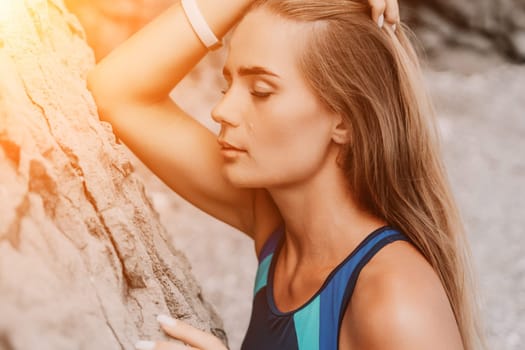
(270, 329)
(267, 330)
(271, 244)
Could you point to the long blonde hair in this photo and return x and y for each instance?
(393, 162)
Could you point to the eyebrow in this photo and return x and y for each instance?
(254, 70)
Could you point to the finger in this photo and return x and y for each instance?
(392, 11)
(188, 334)
(150, 345)
(378, 10)
(172, 346)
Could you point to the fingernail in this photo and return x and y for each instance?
(166, 320)
(394, 26)
(381, 21)
(144, 345)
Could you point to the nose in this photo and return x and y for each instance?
(226, 111)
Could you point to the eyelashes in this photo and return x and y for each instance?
(260, 94)
(254, 93)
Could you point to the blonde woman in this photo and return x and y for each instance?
(326, 157)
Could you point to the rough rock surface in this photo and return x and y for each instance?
(84, 260)
(480, 25)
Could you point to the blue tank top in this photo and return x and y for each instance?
(316, 324)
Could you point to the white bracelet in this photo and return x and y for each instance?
(199, 24)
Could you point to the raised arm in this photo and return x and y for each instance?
(131, 87)
(148, 65)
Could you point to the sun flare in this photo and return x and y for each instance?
(6, 10)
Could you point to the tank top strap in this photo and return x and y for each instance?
(271, 243)
(339, 288)
(265, 258)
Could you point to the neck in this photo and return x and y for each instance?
(322, 219)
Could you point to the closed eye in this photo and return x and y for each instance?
(261, 94)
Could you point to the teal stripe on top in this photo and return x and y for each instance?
(306, 322)
(262, 274)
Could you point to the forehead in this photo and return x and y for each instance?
(267, 40)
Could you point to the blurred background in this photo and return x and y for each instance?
(473, 53)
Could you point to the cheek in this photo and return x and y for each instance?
(281, 120)
(289, 142)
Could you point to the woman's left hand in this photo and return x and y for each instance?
(385, 11)
(193, 337)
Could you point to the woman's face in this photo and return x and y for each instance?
(268, 112)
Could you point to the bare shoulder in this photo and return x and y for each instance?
(400, 303)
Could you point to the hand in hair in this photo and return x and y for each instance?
(385, 10)
(109, 23)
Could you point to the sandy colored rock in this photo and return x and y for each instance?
(84, 260)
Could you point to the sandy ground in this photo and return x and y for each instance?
(481, 115)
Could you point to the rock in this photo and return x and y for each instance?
(501, 23)
(84, 260)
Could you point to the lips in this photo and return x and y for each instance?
(227, 146)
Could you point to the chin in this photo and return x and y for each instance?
(243, 179)
(237, 177)
(245, 182)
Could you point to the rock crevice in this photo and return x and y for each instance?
(84, 260)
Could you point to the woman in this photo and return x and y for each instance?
(326, 157)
